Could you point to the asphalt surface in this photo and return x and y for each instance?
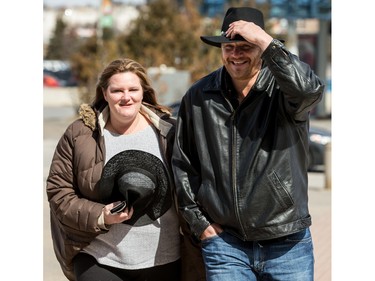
(59, 110)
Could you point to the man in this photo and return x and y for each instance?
(240, 156)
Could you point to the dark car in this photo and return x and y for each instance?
(58, 73)
(318, 139)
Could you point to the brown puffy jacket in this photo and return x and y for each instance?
(75, 171)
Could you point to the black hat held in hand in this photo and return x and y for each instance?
(140, 179)
(232, 15)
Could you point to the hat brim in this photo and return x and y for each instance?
(135, 160)
(218, 40)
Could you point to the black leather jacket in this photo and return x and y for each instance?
(245, 167)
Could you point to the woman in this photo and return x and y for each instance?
(90, 242)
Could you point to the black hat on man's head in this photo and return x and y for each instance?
(232, 15)
(140, 179)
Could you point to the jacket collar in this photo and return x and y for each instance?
(163, 126)
(263, 83)
(87, 114)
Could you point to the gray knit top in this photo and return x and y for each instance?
(135, 247)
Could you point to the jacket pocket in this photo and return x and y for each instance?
(68, 241)
(280, 191)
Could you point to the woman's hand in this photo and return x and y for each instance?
(110, 218)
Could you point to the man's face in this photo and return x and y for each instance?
(242, 59)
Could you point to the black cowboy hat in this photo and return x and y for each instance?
(140, 179)
(232, 15)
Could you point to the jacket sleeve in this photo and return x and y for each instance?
(186, 169)
(76, 215)
(302, 89)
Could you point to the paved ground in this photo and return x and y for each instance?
(55, 122)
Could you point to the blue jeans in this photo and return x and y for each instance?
(228, 258)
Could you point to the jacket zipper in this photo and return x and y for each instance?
(234, 166)
(234, 174)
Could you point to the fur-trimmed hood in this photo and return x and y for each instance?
(91, 118)
(88, 116)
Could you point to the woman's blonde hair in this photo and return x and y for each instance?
(126, 65)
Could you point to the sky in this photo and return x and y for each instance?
(95, 3)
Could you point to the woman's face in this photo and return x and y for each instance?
(124, 96)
